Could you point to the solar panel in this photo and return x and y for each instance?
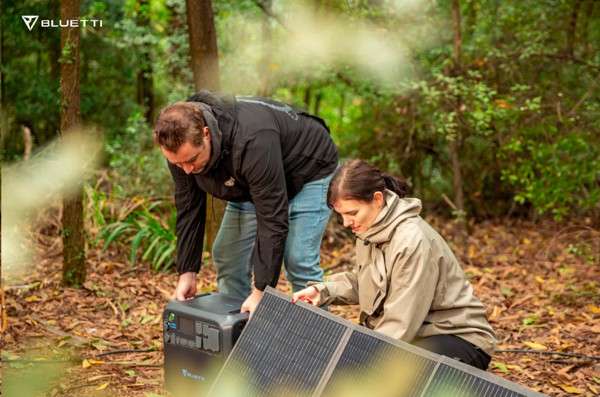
(299, 350)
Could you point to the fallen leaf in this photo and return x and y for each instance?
(471, 251)
(88, 363)
(535, 346)
(593, 309)
(500, 367)
(564, 371)
(33, 298)
(495, 312)
(570, 389)
(103, 386)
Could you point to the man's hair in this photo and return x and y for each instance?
(179, 123)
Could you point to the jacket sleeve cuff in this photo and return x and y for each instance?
(260, 286)
(324, 295)
(187, 269)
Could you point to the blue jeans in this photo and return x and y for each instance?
(232, 249)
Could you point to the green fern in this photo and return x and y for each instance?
(149, 238)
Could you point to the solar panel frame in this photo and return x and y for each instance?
(468, 372)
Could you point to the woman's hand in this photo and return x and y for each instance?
(252, 301)
(309, 295)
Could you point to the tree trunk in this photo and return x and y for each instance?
(307, 97)
(72, 222)
(588, 13)
(145, 88)
(27, 142)
(2, 83)
(455, 145)
(203, 44)
(318, 99)
(572, 29)
(205, 67)
(145, 80)
(264, 68)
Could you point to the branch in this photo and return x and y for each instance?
(267, 10)
(124, 351)
(545, 352)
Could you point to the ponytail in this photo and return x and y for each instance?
(358, 180)
(396, 185)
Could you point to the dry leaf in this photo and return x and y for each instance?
(570, 389)
(103, 386)
(593, 309)
(535, 346)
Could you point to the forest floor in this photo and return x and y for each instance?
(540, 283)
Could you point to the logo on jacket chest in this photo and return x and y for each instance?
(229, 182)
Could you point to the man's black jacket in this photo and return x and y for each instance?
(264, 152)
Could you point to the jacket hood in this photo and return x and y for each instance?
(395, 211)
(216, 137)
(217, 113)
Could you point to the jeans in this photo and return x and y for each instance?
(232, 249)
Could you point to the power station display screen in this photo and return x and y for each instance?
(186, 325)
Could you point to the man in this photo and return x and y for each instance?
(272, 164)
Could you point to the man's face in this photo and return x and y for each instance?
(190, 158)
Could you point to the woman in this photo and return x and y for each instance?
(408, 283)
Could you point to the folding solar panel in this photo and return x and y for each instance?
(299, 350)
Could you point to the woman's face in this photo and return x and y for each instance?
(359, 215)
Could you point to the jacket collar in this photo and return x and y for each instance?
(395, 211)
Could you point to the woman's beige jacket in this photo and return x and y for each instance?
(408, 282)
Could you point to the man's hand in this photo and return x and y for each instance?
(309, 295)
(186, 286)
(251, 301)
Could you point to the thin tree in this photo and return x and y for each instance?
(145, 74)
(455, 144)
(205, 68)
(72, 220)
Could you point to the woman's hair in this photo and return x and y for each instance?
(358, 180)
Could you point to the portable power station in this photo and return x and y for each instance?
(198, 336)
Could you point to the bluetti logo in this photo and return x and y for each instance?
(31, 20)
(188, 374)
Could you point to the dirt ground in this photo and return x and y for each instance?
(540, 283)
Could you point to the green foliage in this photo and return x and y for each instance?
(559, 177)
(139, 223)
(136, 166)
